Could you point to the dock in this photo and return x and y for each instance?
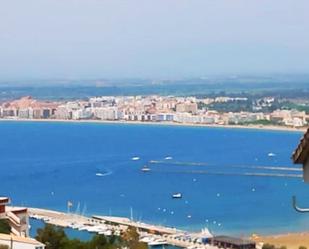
(108, 225)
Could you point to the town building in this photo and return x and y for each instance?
(17, 218)
(106, 113)
(232, 243)
(17, 242)
(190, 107)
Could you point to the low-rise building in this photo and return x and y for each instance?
(231, 242)
(18, 242)
(190, 107)
(17, 217)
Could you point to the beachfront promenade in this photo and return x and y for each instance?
(151, 234)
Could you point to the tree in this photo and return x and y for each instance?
(5, 227)
(98, 242)
(55, 238)
(52, 237)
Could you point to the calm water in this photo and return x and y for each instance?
(47, 164)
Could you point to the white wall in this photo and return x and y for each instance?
(19, 245)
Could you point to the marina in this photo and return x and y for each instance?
(153, 235)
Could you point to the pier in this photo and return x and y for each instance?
(108, 225)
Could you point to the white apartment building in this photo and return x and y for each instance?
(84, 113)
(106, 113)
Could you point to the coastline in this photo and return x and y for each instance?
(252, 127)
(290, 240)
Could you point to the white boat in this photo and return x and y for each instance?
(168, 158)
(83, 228)
(135, 158)
(99, 174)
(145, 169)
(108, 233)
(271, 154)
(158, 242)
(146, 239)
(76, 226)
(177, 195)
(92, 229)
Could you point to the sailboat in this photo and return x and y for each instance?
(145, 168)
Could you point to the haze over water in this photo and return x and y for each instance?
(47, 164)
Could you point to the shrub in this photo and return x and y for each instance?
(268, 246)
(5, 227)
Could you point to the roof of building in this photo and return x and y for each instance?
(17, 210)
(301, 154)
(4, 199)
(234, 241)
(25, 240)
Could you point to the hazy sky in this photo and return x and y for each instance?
(152, 38)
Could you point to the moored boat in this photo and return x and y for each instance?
(177, 195)
(145, 169)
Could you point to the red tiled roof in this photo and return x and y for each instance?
(301, 154)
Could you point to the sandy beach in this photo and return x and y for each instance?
(290, 240)
(253, 127)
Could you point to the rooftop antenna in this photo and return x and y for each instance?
(299, 209)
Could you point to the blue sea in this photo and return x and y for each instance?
(47, 164)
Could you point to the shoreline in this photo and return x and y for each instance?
(251, 127)
(291, 240)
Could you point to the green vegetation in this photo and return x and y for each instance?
(230, 106)
(287, 105)
(55, 238)
(261, 122)
(5, 227)
(302, 247)
(269, 246)
(131, 240)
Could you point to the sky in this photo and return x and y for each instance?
(152, 38)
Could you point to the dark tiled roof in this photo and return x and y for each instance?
(233, 241)
(301, 154)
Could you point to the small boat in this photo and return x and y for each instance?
(159, 242)
(145, 169)
(135, 158)
(168, 158)
(177, 195)
(271, 154)
(146, 239)
(99, 174)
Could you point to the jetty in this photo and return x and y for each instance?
(108, 225)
